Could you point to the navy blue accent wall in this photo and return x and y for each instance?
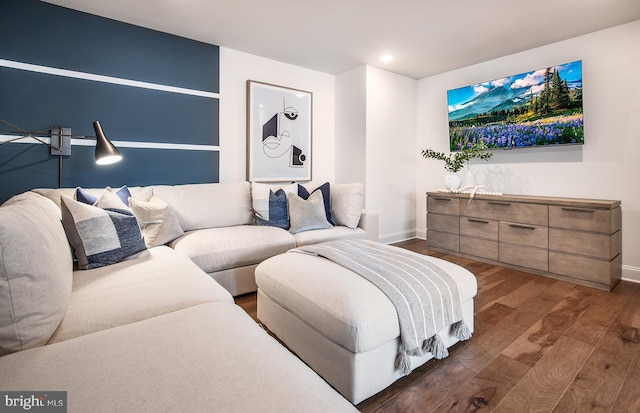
(126, 113)
(167, 167)
(42, 34)
(49, 35)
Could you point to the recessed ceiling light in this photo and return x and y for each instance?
(386, 58)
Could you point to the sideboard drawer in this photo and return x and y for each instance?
(444, 223)
(591, 244)
(599, 271)
(522, 256)
(525, 234)
(443, 205)
(479, 247)
(606, 221)
(507, 211)
(477, 227)
(443, 240)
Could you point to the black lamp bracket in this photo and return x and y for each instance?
(60, 141)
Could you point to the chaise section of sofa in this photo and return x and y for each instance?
(210, 357)
(157, 281)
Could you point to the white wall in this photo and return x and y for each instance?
(390, 153)
(238, 67)
(351, 125)
(606, 167)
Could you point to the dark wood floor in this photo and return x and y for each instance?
(539, 345)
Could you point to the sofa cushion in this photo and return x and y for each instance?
(329, 234)
(100, 236)
(339, 304)
(307, 214)
(211, 357)
(347, 202)
(217, 249)
(158, 221)
(157, 282)
(209, 205)
(36, 267)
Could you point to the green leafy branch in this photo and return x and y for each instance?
(455, 161)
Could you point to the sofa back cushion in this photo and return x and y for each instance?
(215, 205)
(36, 270)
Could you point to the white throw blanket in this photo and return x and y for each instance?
(426, 298)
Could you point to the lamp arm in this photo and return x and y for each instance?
(29, 135)
(26, 134)
(14, 126)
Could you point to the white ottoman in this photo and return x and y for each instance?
(339, 323)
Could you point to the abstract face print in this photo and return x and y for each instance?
(277, 139)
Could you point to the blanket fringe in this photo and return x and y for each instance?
(435, 346)
(460, 330)
(403, 364)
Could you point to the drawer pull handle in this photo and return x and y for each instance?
(588, 211)
(479, 221)
(499, 203)
(442, 199)
(521, 226)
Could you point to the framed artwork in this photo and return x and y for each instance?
(278, 133)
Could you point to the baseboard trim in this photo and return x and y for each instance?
(397, 236)
(631, 274)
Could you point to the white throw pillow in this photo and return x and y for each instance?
(347, 202)
(158, 221)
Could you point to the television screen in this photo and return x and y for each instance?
(538, 108)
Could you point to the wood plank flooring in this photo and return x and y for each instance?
(539, 345)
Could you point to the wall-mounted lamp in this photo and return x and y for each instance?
(60, 142)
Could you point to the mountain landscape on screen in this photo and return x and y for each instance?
(538, 108)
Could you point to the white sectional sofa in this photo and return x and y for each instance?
(157, 331)
(219, 235)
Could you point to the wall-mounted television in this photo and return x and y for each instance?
(538, 108)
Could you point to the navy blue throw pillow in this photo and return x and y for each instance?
(278, 210)
(86, 198)
(326, 195)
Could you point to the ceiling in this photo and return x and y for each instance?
(426, 37)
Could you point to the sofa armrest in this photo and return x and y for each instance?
(369, 223)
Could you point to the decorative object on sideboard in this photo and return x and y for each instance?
(454, 162)
(59, 140)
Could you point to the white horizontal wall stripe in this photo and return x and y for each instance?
(5, 138)
(105, 79)
(121, 144)
(150, 145)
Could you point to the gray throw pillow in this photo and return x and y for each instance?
(305, 215)
(100, 236)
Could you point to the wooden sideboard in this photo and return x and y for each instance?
(576, 240)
